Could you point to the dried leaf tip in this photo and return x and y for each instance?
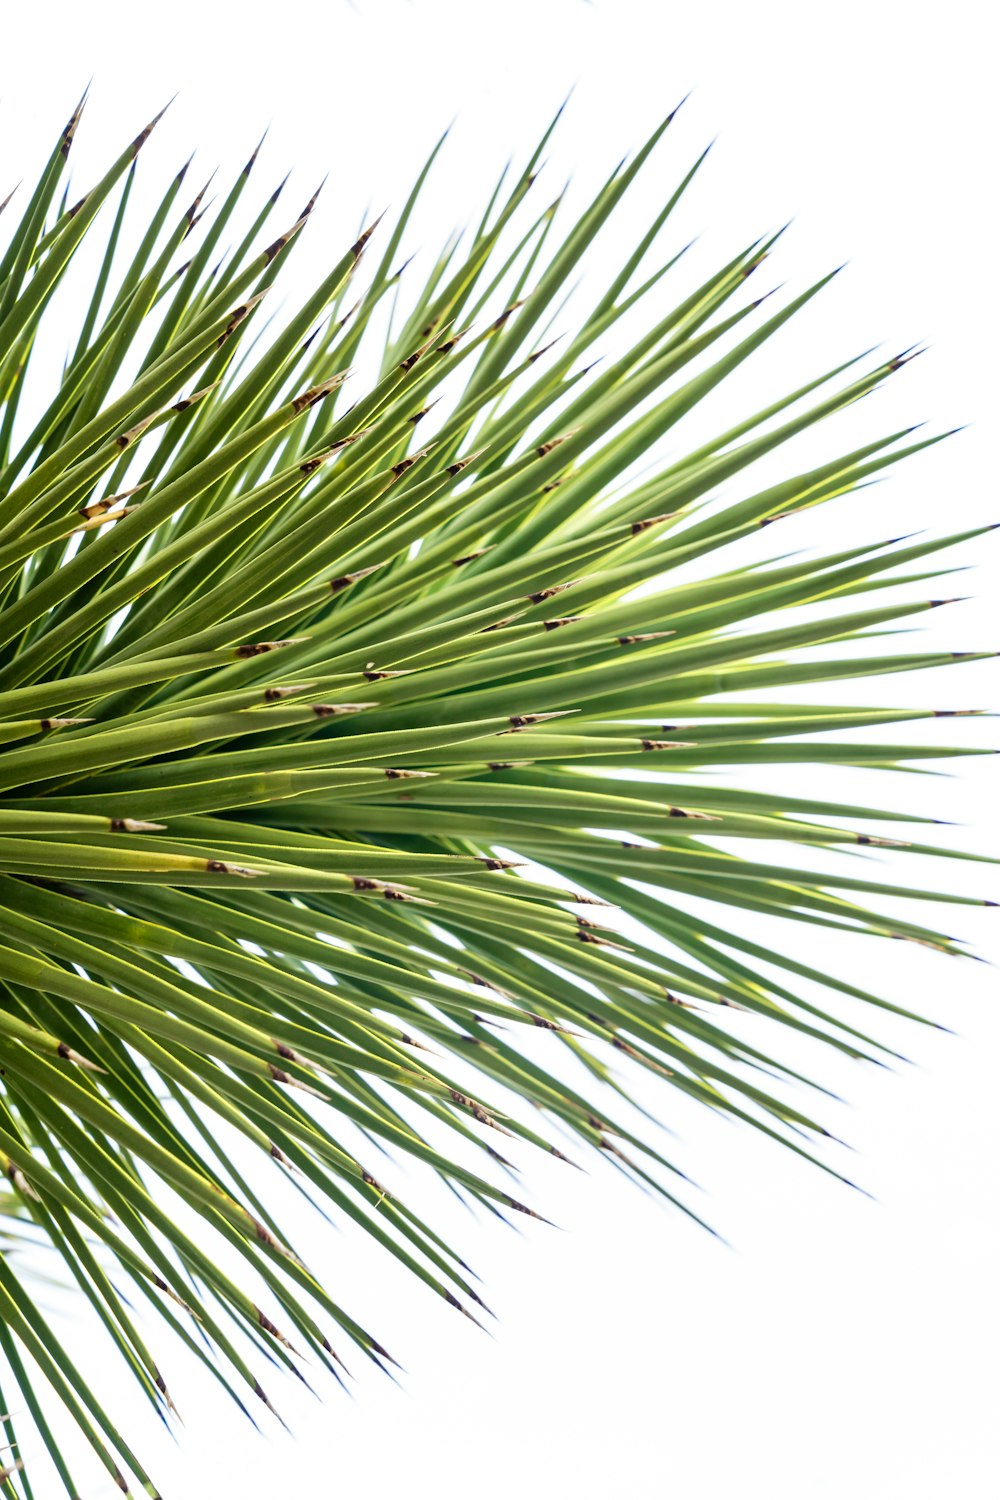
(69, 1055)
(400, 468)
(144, 134)
(129, 436)
(556, 588)
(279, 189)
(524, 721)
(346, 579)
(411, 359)
(361, 242)
(555, 442)
(316, 393)
(275, 694)
(71, 127)
(19, 1181)
(538, 353)
(330, 710)
(254, 154)
(276, 246)
(644, 525)
(522, 1208)
(101, 507)
(371, 673)
(501, 320)
(899, 360)
(133, 825)
(221, 867)
(463, 463)
(259, 648)
(185, 402)
(192, 212)
(239, 315)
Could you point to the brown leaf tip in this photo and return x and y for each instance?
(638, 526)
(359, 244)
(235, 320)
(259, 648)
(463, 463)
(557, 588)
(316, 393)
(276, 246)
(523, 721)
(183, 404)
(70, 131)
(344, 580)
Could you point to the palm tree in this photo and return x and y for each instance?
(269, 878)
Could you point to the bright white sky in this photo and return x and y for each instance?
(842, 1347)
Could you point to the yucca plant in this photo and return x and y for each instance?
(288, 688)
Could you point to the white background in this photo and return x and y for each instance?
(843, 1347)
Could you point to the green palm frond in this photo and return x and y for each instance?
(310, 630)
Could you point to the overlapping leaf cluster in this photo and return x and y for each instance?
(279, 678)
